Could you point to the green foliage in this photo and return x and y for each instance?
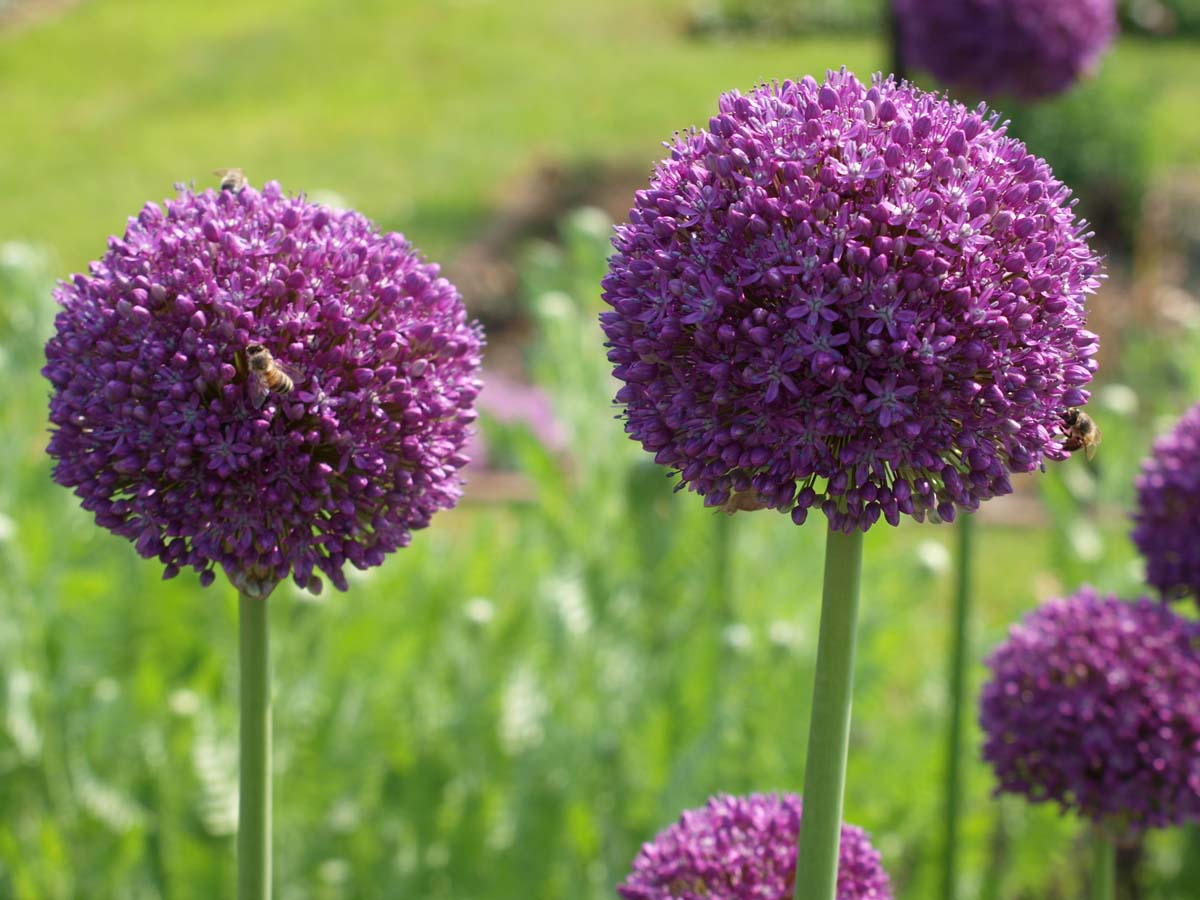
(1162, 17)
(511, 705)
(1097, 139)
(784, 18)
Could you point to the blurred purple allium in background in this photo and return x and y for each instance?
(1167, 516)
(744, 848)
(512, 402)
(1026, 48)
(155, 425)
(867, 299)
(1094, 703)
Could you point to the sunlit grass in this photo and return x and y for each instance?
(421, 115)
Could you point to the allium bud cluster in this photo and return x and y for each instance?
(1094, 703)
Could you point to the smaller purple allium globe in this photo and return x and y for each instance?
(1094, 703)
(744, 848)
(157, 424)
(1167, 516)
(864, 299)
(1024, 48)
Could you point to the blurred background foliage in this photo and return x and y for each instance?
(557, 668)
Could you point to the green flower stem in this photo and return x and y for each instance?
(958, 701)
(722, 566)
(829, 729)
(254, 794)
(1104, 867)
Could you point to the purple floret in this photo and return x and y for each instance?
(744, 848)
(155, 425)
(1094, 703)
(868, 300)
(1025, 48)
(1167, 518)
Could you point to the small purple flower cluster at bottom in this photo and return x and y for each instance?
(1095, 703)
(744, 848)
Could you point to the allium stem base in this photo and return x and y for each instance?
(1104, 866)
(829, 729)
(254, 789)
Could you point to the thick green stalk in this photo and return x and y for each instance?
(1104, 866)
(829, 729)
(958, 701)
(254, 793)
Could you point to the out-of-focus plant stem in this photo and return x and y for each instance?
(1104, 866)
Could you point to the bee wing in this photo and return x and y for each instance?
(1094, 443)
(256, 385)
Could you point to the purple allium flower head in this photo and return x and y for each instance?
(1095, 703)
(158, 429)
(1026, 48)
(744, 848)
(866, 299)
(1167, 517)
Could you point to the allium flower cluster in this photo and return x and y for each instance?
(864, 298)
(159, 429)
(1167, 517)
(1094, 703)
(744, 848)
(1026, 48)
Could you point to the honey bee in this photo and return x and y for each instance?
(265, 374)
(1081, 432)
(232, 179)
(743, 501)
(693, 885)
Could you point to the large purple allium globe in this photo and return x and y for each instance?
(168, 435)
(744, 848)
(1094, 703)
(1167, 518)
(868, 299)
(1026, 48)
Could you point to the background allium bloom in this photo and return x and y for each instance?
(154, 425)
(1167, 517)
(1095, 703)
(1028, 48)
(744, 848)
(865, 298)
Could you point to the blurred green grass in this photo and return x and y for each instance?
(511, 705)
(420, 114)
